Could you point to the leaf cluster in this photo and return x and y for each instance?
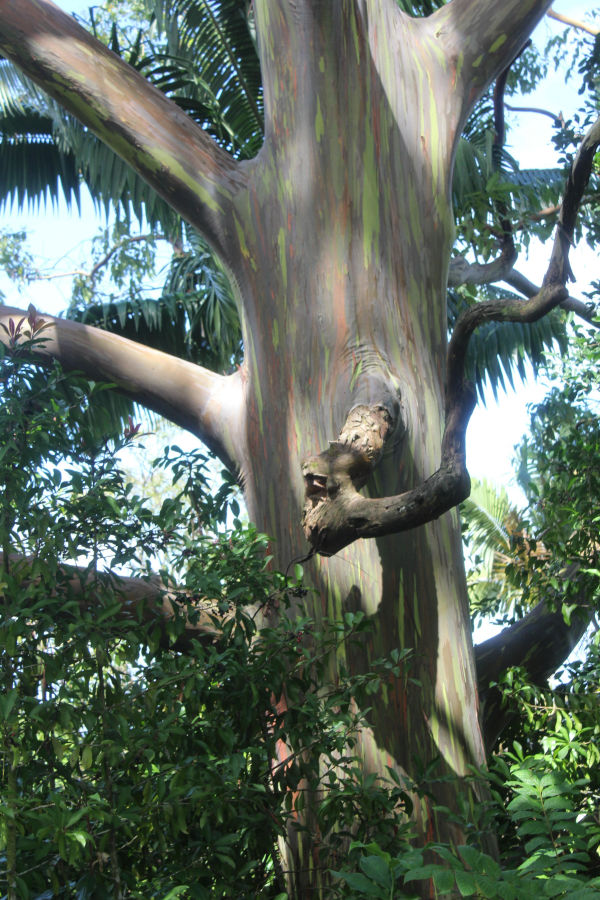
(126, 765)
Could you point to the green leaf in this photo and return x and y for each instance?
(358, 882)
(86, 758)
(377, 870)
(466, 883)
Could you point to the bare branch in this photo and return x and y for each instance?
(92, 273)
(574, 23)
(160, 142)
(585, 311)
(207, 404)
(557, 119)
(577, 181)
(335, 514)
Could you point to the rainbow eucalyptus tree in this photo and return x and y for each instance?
(346, 420)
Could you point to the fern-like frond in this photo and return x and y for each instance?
(210, 67)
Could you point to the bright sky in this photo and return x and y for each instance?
(62, 240)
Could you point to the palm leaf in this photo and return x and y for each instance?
(211, 68)
(496, 543)
(195, 317)
(501, 351)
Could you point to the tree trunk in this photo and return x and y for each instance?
(338, 237)
(353, 228)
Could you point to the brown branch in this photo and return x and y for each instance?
(148, 599)
(207, 404)
(335, 514)
(539, 643)
(557, 119)
(585, 311)
(460, 271)
(574, 23)
(559, 270)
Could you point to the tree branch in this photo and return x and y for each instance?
(585, 311)
(138, 122)
(207, 404)
(145, 599)
(539, 643)
(335, 514)
(461, 271)
(557, 119)
(91, 274)
(481, 38)
(574, 23)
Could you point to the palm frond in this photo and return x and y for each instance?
(496, 544)
(211, 68)
(44, 151)
(501, 351)
(195, 317)
(486, 512)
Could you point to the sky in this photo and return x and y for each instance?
(63, 240)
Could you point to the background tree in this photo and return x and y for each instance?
(342, 306)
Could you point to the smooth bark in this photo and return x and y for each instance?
(206, 404)
(160, 142)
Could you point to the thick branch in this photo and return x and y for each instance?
(335, 514)
(207, 404)
(461, 271)
(145, 599)
(135, 119)
(482, 37)
(539, 643)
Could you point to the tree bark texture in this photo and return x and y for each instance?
(338, 238)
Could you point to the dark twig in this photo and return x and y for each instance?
(557, 119)
(462, 272)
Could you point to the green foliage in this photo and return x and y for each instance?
(194, 315)
(549, 831)
(203, 55)
(494, 538)
(15, 258)
(210, 67)
(501, 351)
(128, 766)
